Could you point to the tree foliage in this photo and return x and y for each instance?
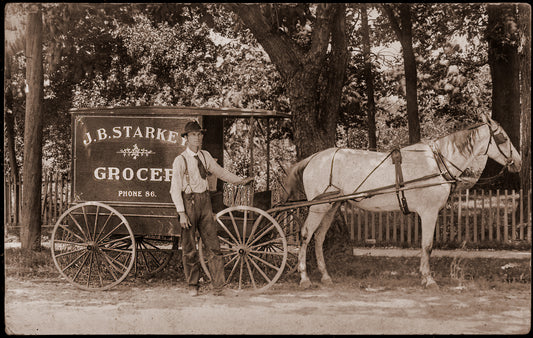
(208, 54)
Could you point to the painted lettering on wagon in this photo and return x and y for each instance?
(130, 132)
(129, 174)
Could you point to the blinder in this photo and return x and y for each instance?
(500, 138)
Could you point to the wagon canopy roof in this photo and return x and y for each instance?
(183, 111)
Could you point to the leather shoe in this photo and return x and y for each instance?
(193, 291)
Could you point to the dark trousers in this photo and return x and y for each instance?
(198, 209)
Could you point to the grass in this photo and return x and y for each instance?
(352, 271)
(28, 263)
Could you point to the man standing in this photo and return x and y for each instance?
(190, 194)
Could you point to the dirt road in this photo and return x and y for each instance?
(56, 307)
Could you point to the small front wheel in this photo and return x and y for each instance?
(93, 246)
(253, 246)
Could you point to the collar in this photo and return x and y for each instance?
(191, 153)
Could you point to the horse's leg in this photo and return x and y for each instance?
(429, 219)
(316, 213)
(320, 235)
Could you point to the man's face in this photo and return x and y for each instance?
(195, 138)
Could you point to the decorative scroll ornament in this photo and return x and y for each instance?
(135, 152)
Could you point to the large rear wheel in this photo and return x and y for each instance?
(93, 246)
(253, 245)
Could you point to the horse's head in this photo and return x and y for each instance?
(500, 147)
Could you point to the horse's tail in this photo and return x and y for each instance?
(294, 183)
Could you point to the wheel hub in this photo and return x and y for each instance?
(92, 246)
(242, 250)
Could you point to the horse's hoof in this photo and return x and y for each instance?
(305, 284)
(430, 284)
(327, 281)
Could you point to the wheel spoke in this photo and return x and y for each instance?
(81, 267)
(62, 241)
(262, 234)
(254, 227)
(250, 273)
(70, 252)
(227, 231)
(235, 256)
(99, 269)
(86, 222)
(117, 240)
(267, 252)
(235, 227)
(73, 233)
(240, 274)
(226, 241)
(238, 258)
(90, 268)
(109, 234)
(111, 265)
(261, 271)
(95, 221)
(74, 261)
(262, 244)
(97, 238)
(265, 262)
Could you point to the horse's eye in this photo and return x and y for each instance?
(500, 138)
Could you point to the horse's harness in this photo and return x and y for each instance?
(442, 164)
(499, 138)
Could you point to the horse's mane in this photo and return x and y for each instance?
(463, 141)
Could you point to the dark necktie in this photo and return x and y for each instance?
(201, 168)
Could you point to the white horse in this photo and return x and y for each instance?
(429, 171)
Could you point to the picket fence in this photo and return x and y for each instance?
(477, 216)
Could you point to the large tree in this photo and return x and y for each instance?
(524, 16)
(307, 43)
(502, 36)
(31, 197)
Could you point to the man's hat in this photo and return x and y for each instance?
(192, 126)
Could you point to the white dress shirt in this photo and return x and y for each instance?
(196, 183)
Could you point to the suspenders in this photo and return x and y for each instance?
(187, 178)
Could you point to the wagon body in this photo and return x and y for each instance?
(122, 211)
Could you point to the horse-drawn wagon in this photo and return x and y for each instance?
(123, 217)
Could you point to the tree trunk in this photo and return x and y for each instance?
(314, 77)
(32, 175)
(524, 18)
(504, 68)
(9, 122)
(403, 30)
(410, 74)
(369, 78)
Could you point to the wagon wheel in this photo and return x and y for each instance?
(93, 246)
(253, 245)
(153, 254)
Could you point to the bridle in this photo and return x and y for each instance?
(499, 138)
